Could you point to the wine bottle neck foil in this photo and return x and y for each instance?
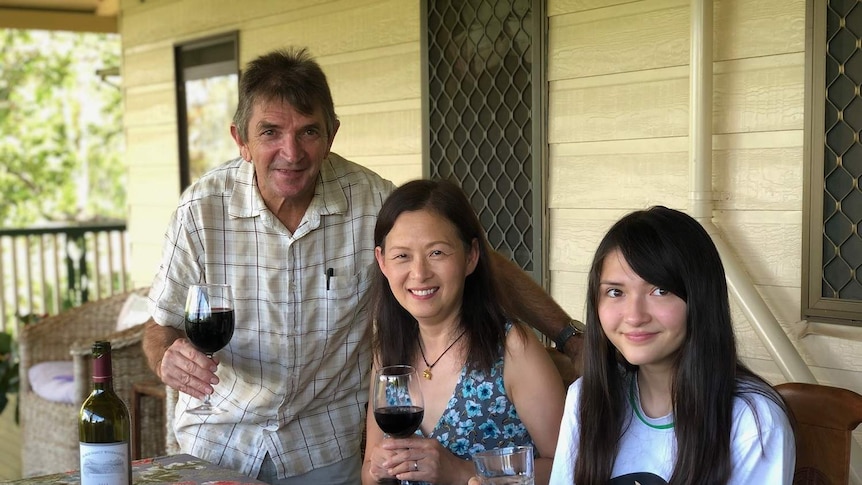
(102, 362)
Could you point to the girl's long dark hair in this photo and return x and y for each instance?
(396, 336)
(673, 251)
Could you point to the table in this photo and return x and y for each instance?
(185, 469)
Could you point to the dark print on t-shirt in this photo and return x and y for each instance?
(639, 478)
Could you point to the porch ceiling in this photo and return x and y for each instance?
(73, 15)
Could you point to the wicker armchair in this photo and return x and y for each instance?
(50, 429)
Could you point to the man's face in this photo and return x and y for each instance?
(287, 149)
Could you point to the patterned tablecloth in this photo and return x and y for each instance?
(173, 469)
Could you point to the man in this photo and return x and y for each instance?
(290, 226)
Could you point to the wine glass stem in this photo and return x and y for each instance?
(207, 396)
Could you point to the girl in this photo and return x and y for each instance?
(664, 397)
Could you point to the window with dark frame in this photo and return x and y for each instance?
(207, 74)
(484, 105)
(832, 244)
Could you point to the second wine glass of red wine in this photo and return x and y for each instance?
(397, 401)
(209, 326)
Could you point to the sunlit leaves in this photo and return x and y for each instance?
(60, 128)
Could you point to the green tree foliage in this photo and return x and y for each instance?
(61, 134)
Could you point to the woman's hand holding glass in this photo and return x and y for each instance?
(398, 407)
(424, 460)
(397, 403)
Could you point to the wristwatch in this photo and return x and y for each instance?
(573, 328)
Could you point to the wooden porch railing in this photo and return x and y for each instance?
(44, 270)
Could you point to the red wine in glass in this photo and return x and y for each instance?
(210, 331)
(209, 324)
(399, 421)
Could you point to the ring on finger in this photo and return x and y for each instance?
(415, 465)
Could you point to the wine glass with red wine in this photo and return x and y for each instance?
(209, 326)
(397, 401)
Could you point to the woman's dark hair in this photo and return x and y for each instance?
(670, 250)
(482, 318)
(290, 75)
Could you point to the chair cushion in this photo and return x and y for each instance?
(135, 311)
(53, 381)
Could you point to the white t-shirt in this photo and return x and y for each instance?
(648, 446)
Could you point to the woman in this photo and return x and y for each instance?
(487, 382)
(664, 397)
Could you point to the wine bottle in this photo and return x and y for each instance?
(104, 428)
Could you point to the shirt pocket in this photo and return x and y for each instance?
(345, 306)
(347, 285)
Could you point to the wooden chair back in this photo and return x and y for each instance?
(825, 418)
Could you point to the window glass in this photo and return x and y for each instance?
(210, 105)
(207, 94)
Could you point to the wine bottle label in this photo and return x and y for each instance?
(104, 463)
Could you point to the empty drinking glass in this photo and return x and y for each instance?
(505, 466)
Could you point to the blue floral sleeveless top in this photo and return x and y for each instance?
(479, 415)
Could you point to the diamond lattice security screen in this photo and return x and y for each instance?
(842, 163)
(481, 91)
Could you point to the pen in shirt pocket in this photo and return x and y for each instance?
(329, 274)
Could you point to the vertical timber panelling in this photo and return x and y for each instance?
(369, 50)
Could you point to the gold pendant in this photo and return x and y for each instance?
(427, 373)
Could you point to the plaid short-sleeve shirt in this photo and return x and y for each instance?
(294, 377)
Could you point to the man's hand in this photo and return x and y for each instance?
(525, 300)
(573, 350)
(187, 369)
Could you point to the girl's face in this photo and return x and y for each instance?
(425, 263)
(647, 324)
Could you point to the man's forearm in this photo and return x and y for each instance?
(524, 299)
(156, 341)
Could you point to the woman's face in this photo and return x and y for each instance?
(425, 263)
(647, 324)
